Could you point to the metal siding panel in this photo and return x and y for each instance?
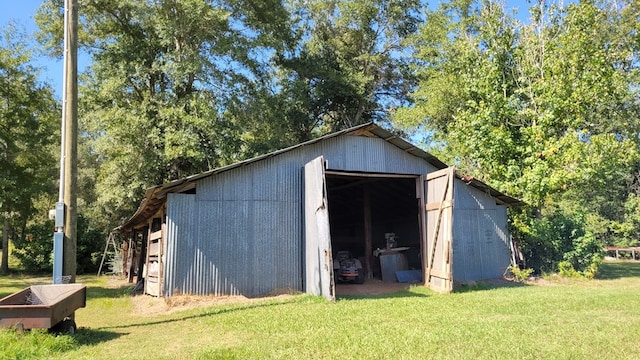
(365, 154)
(464, 245)
(181, 235)
(250, 239)
(483, 251)
(205, 270)
(486, 237)
(357, 153)
(348, 153)
(468, 197)
(503, 248)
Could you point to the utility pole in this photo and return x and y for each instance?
(71, 144)
(65, 240)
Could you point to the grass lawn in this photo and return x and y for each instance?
(574, 319)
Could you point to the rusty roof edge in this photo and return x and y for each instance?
(500, 197)
(149, 194)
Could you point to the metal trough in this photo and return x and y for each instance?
(42, 306)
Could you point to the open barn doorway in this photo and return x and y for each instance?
(375, 218)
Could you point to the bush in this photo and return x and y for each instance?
(520, 275)
(566, 269)
(34, 248)
(586, 255)
(558, 241)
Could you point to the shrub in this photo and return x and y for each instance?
(34, 248)
(558, 241)
(566, 269)
(520, 275)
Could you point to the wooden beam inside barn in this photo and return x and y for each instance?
(368, 230)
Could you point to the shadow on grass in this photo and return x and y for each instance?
(208, 313)
(97, 292)
(618, 270)
(458, 288)
(397, 294)
(86, 336)
(488, 285)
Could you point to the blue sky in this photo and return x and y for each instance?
(22, 11)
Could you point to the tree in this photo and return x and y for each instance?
(346, 64)
(163, 76)
(180, 87)
(28, 132)
(547, 112)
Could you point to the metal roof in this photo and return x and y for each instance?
(155, 196)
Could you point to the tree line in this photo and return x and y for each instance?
(545, 109)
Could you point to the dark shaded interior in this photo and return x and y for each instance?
(393, 209)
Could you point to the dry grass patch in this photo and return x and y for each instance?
(145, 305)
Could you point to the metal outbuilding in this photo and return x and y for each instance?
(273, 223)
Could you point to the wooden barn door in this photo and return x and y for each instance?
(436, 220)
(318, 258)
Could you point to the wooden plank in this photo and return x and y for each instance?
(155, 235)
(437, 174)
(369, 175)
(163, 230)
(153, 286)
(449, 235)
(444, 275)
(154, 248)
(442, 230)
(437, 206)
(318, 262)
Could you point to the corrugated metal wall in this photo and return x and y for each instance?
(480, 236)
(242, 232)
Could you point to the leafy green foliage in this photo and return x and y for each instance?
(34, 248)
(27, 135)
(154, 98)
(546, 112)
(520, 275)
(347, 65)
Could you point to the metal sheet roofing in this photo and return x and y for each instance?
(155, 196)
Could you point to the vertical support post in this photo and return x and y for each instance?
(368, 231)
(142, 260)
(422, 222)
(5, 243)
(71, 140)
(134, 251)
(125, 256)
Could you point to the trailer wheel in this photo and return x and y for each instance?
(64, 327)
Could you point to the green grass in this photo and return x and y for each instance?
(564, 320)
